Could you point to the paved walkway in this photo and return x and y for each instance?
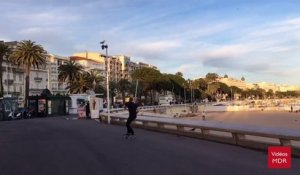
(78, 147)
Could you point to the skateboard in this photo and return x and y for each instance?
(129, 136)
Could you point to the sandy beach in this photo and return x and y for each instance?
(258, 118)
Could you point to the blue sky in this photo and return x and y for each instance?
(256, 39)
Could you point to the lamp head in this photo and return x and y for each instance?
(104, 47)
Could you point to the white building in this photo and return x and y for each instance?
(55, 86)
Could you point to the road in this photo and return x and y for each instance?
(49, 146)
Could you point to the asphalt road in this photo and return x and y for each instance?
(57, 146)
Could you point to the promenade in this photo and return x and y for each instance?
(57, 146)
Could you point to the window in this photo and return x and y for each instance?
(20, 77)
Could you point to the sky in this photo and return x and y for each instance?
(257, 39)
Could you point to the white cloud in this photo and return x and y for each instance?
(158, 46)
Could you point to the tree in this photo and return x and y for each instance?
(213, 88)
(224, 88)
(211, 77)
(4, 52)
(177, 84)
(235, 91)
(179, 74)
(243, 78)
(225, 76)
(201, 84)
(69, 72)
(28, 54)
(270, 93)
(123, 86)
(164, 83)
(149, 77)
(94, 77)
(80, 85)
(113, 90)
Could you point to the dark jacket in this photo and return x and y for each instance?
(87, 108)
(132, 108)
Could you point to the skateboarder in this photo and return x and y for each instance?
(132, 108)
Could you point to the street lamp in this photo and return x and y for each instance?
(104, 46)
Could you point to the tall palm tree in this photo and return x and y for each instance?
(123, 86)
(94, 77)
(81, 84)
(69, 72)
(4, 51)
(28, 54)
(113, 90)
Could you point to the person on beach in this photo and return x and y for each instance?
(132, 108)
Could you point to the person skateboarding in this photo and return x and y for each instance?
(132, 109)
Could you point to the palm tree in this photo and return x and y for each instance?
(81, 84)
(94, 77)
(4, 51)
(113, 90)
(28, 54)
(69, 72)
(123, 86)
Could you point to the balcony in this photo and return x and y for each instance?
(18, 70)
(38, 79)
(9, 82)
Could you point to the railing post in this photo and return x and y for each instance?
(237, 137)
(145, 123)
(160, 125)
(285, 142)
(180, 128)
(204, 132)
(123, 120)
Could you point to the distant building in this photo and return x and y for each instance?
(55, 86)
(233, 82)
(268, 86)
(89, 64)
(14, 78)
(40, 78)
(91, 61)
(114, 67)
(96, 56)
(142, 65)
(127, 66)
(285, 88)
(118, 66)
(263, 85)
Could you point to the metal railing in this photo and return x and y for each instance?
(251, 137)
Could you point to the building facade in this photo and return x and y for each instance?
(118, 66)
(233, 82)
(55, 86)
(91, 60)
(43, 77)
(114, 67)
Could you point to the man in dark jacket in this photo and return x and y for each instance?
(132, 108)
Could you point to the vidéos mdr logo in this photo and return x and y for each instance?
(279, 157)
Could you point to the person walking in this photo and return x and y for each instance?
(132, 109)
(87, 110)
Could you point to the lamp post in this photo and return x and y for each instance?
(104, 46)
